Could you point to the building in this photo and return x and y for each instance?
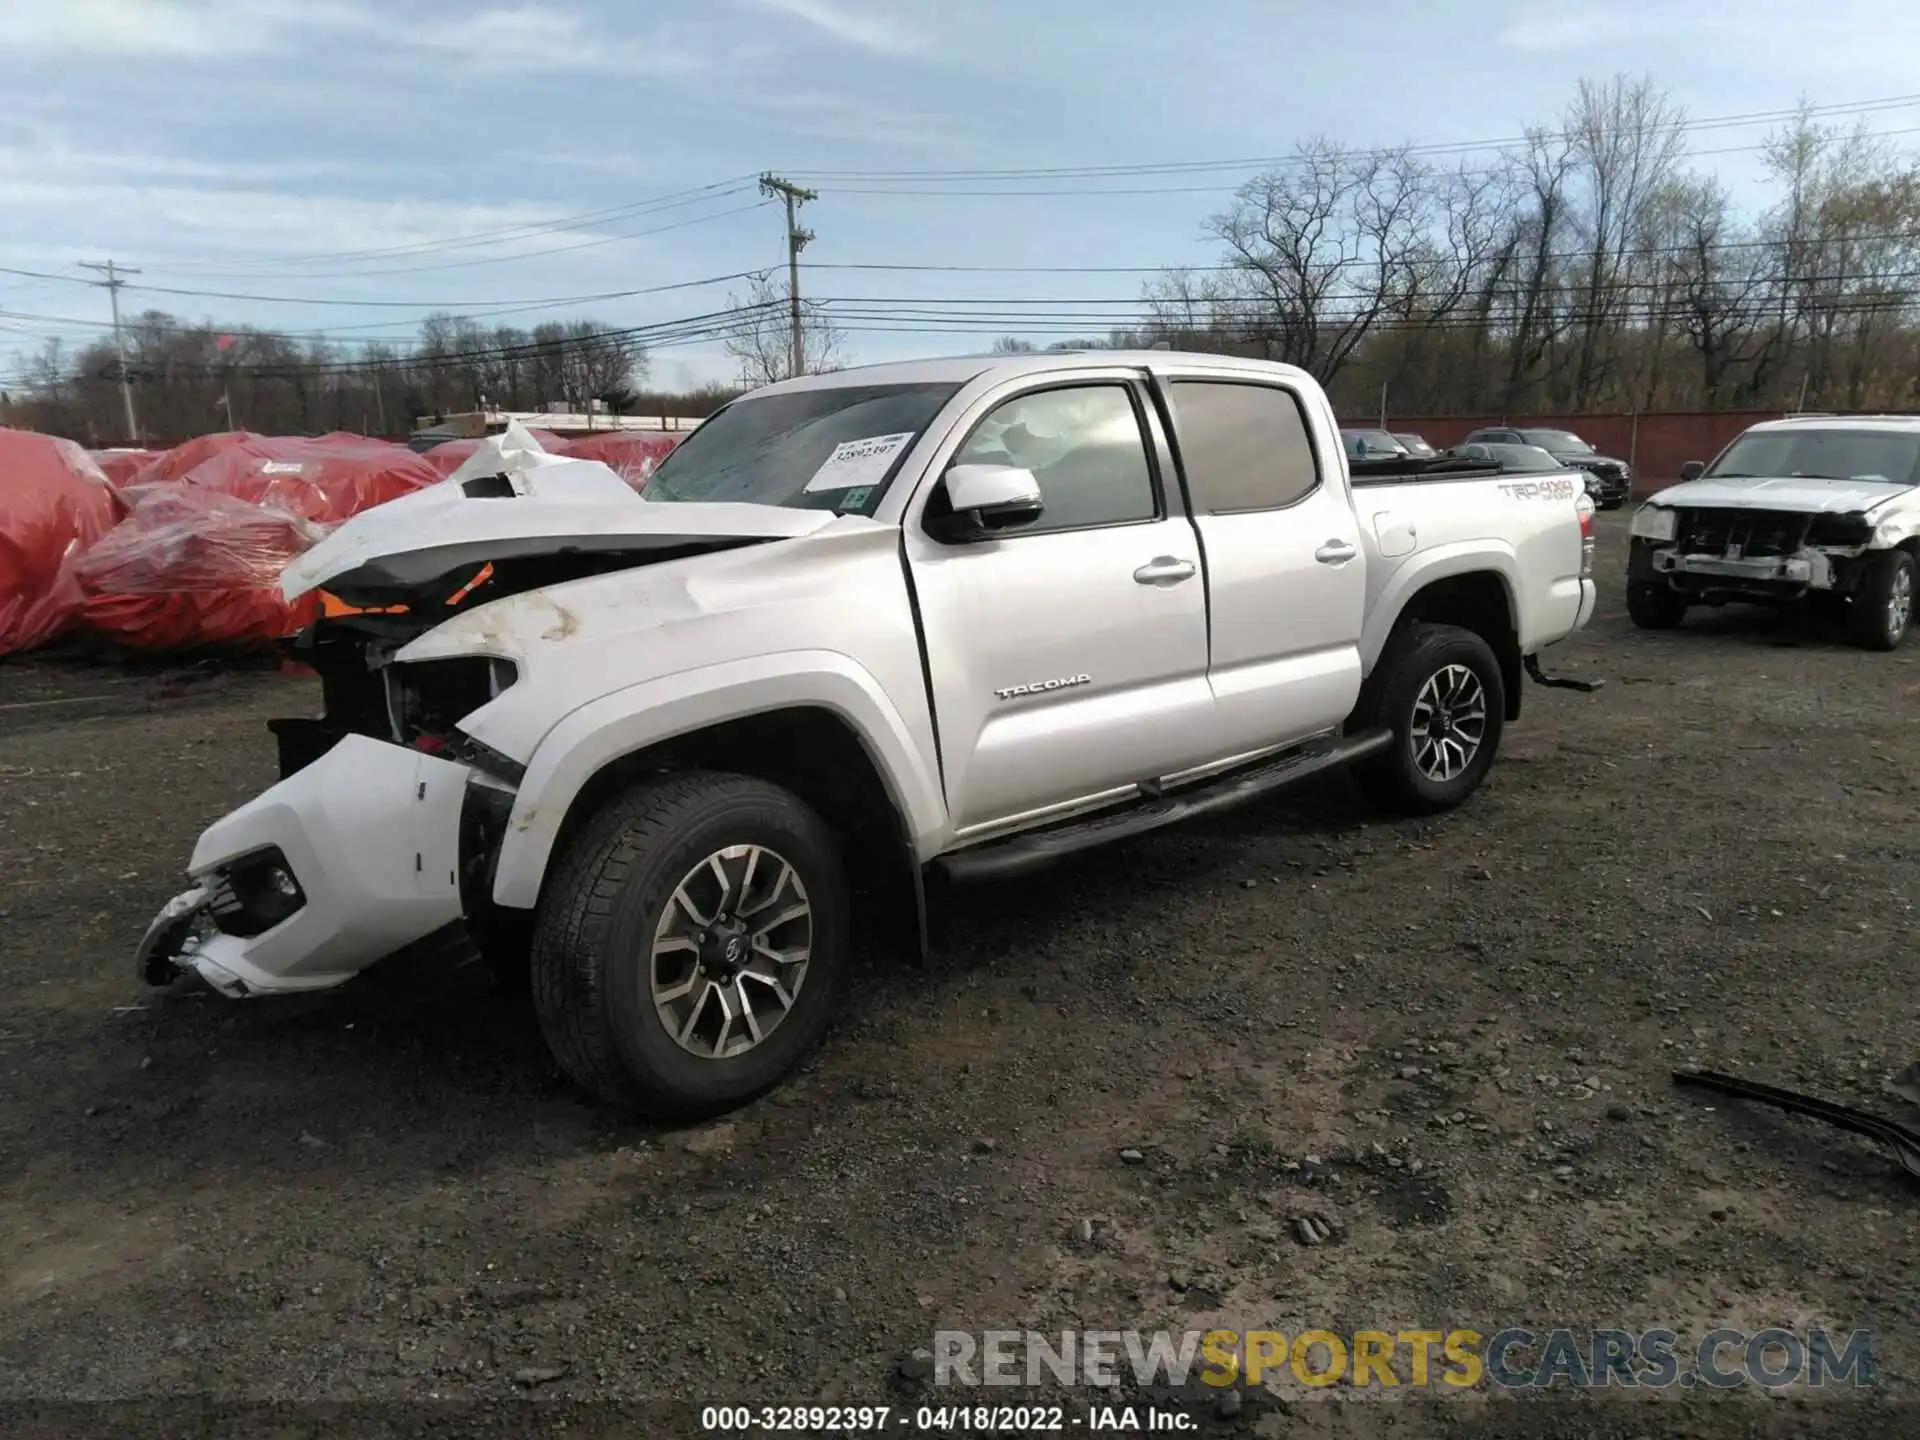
(558, 419)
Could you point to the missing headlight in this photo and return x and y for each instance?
(426, 699)
(255, 893)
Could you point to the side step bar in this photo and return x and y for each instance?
(1000, 859)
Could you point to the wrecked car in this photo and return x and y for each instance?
(1813, 507)
(667, 754)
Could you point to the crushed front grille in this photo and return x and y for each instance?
(1741, 532)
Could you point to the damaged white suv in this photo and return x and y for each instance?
(1809, 508)
(953, 617)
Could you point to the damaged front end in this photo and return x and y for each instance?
(385, 828)
(386, 824)
(1714, 555)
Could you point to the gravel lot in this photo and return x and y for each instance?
(1452, 1039)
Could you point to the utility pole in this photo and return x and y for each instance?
(795, 196)
(113, 282)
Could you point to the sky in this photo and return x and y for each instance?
(358, 164)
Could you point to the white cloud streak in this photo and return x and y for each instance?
(526, 39)
(862, 29)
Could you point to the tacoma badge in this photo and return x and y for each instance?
(1039, 686)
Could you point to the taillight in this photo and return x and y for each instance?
(1583, 507)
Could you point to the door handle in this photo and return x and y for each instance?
(1335, 552)
(1165, 570)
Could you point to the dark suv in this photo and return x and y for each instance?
(1608, 480)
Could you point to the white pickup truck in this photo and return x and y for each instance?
(956, 616)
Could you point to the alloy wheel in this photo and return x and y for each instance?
(730, 952)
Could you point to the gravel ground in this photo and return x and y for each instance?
(1105, 1104)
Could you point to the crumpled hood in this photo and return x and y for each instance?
(1801, 493)
(512, 500)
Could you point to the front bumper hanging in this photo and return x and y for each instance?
(342, 863)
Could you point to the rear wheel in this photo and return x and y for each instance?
(1440, 690)
(1883, 610)
(1654, 605)
(689, 944)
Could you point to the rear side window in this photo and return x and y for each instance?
(1245, 447)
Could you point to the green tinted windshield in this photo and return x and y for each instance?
(833, 448)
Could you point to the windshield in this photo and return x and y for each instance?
(1525, 458)
(1823, 455)
(834, 448)
(1372, 442)
(1560, 441)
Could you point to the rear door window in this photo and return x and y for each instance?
(1244, 447)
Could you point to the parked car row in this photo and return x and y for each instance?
(1525, 451)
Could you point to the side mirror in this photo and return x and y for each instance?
(1691, 470)
(976, 502)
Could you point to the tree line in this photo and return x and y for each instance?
(188, 379)
(1588, 269)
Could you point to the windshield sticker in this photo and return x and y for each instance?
(855, 499)
(854, 463)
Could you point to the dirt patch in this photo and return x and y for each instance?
(1448, 1040)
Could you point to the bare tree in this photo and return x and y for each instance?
(761, 337)
(1627, 141)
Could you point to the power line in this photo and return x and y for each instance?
(495, 306)
(524, 254)
(797, 240)
(1227, 189)
(717, 190)
(113, 282)
(1838, 108)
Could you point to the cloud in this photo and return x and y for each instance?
(160, 29)
(850, 26)
(525, 38)
(237, 220)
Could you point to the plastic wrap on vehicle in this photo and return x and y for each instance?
(190, 567)
(53, 501)
(633, 455)
(326, 479)
(449, 455)
(120, 466)
(174, 463)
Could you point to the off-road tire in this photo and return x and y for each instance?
(1654, 605)
(1873, 625)
(1414, 655)
(592, 944)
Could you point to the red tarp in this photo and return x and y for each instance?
(328, 479)
(449, 455)
(632, 454)
(188, 567)
(120, 466)
(172, 464)
(53, 501)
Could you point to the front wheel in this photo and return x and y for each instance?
(1440, 690)
(1655, 605)
(1883, 610)
(689, 943)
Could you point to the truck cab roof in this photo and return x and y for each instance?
(962, 369)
